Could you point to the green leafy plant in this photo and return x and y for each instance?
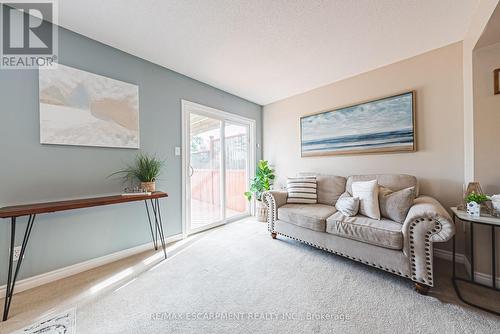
(474, 197)
(146, 168)
(261, 182)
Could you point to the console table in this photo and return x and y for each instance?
(486, 221)
(31, 210)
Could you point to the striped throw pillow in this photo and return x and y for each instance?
(302, 190)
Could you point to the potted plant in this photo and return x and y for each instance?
(474, 203)
(146, 169)
(258, 185)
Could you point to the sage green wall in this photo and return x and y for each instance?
(31, 172)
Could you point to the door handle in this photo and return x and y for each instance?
(191, 171)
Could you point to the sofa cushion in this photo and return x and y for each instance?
(394, 182)
(330, 187)
(311, 216)
(385, 233)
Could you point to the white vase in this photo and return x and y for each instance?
(261, 211)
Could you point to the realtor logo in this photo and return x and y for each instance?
(28, 34)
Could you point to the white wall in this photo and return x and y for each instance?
(478, 23)
(436, 77)
(486, 144)
(477, 27)
(486, 120)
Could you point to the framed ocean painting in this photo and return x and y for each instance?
(382, 125)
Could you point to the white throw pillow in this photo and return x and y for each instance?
(367, 192)
(347, 205)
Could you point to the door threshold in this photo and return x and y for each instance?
(230, 221)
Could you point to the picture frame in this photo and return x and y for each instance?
(381, 125)
(496, 75)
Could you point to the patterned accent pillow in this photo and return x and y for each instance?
(302, 190)
(396, 204)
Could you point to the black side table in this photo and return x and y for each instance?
(483, 220)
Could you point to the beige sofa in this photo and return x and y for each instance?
(402, 249)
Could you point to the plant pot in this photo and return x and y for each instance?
(261, 211)
(148, 186)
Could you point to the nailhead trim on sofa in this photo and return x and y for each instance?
(271, 210)
(271, 218)
(347, 256)
(429, 280)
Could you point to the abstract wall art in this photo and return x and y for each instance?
(86, 109)
(382, 125)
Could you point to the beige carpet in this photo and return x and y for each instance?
(236, 279)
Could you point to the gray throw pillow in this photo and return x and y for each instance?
(347, 205)
(396, 204)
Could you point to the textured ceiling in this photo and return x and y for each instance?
(267, 50)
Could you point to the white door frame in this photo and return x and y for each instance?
(191, 107)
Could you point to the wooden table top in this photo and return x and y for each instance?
(37, 208)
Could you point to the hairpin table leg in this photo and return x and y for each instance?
(11, 280)
(163, 241)
(158, 223)
(155, 243)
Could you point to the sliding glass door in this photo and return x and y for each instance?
(217, 155)
(237, 168)
(205, 171)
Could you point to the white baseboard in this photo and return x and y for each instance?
(447, 255)
(51, 276)
(479, 277)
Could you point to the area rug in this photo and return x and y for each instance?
(61, 323)
(236, 279)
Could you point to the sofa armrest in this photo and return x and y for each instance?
(427, 222)
(273, 200)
